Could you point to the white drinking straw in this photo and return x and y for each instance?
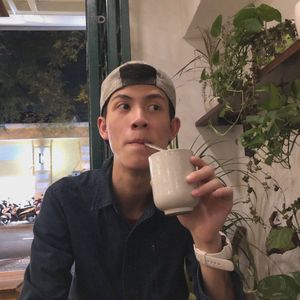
(154, 147)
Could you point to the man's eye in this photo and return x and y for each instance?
(154, 107)
(124, 106)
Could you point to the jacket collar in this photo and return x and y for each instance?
(103, 195)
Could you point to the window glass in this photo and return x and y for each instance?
(43, 114)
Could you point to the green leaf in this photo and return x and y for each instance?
(295, 89)
(269, 160)
(280, 240)
(275, 98)
(204, 76)
(296, 276)
(251, 26)
(245, 14)
(268, 13)
(254, 119)
(252, 139)
(278, 287)
(288, 111)
(216, 58)
(216, 27)
(294, 121)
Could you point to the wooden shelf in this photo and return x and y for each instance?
(281, 58)
(284, 68)
(211, 115)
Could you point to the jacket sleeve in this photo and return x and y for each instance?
(48, 275)
(195, 277)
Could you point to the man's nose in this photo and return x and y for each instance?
(139, 119)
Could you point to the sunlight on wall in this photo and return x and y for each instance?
(15, 158)
(29, 166)
(66, 157)
(17, 189)
(58, 157)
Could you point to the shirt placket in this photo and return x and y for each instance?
(130, 269)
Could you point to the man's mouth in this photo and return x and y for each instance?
(139, 141)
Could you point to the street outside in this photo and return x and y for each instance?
(15, 241)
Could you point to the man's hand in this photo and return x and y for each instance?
(208, 217)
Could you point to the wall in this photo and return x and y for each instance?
(160, 35)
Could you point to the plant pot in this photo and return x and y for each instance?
(211, 104)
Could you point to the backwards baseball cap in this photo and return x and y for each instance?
(134, 73)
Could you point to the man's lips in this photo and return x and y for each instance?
(138, 141)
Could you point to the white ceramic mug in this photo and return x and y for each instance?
(171, 192)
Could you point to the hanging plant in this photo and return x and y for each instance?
(273, 131)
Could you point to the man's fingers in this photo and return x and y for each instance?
(206, 173)
(207, 188)
(197, 161)
(224, 192)
(206, 181)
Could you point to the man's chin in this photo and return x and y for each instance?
(137, 163)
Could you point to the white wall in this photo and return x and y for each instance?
(158, 29)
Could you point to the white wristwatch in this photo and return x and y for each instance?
(220, 260)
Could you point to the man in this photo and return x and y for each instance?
(104, 221)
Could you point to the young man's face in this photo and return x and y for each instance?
(135, 115)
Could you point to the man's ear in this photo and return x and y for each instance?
(175, 126)
(101, 122)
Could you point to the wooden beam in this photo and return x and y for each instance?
(3, 10)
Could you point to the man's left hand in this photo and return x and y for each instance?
(215, 204)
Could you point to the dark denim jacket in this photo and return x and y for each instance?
(79, 223)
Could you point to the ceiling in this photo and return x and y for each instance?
(43, 15)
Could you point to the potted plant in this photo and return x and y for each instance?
(233, 55)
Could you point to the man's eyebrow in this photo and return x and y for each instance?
(154, 96)
(146, 97)
(122, 96)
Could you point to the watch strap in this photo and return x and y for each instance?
(220, 260)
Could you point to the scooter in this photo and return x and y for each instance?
(29, 214)
(5, 215)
